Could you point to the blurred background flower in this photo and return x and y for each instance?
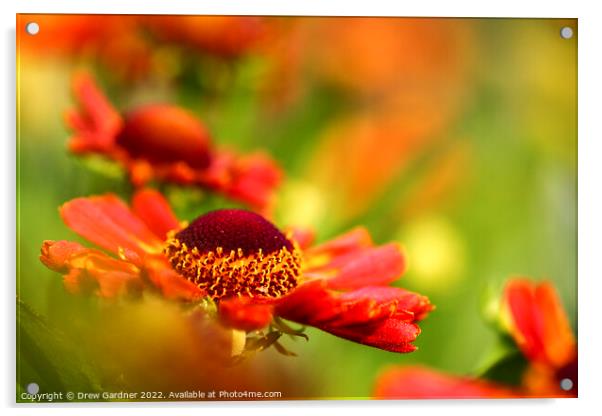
(540, 358)
(456, 137)
(165, 142)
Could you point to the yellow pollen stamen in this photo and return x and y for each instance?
(235, 273)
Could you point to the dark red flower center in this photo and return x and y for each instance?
(232, 229)
(165, 134)
(233, 252)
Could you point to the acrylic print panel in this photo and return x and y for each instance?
(277, 208)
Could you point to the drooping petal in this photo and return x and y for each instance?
(96, 123)
(88, 270)
(392, 334)
(56, 255)
(105, 283)
(371, 266)
(404, 300)
(152, 208)
(372, 316)
(244, 314)
(415, 382)
(108, 222)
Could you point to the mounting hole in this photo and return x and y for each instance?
(566, 384)
(32, 28)
(33, 388)
(566, 32)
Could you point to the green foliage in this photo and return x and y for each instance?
(507, 368)
(46, 356)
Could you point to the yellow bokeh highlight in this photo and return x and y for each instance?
(436, 252)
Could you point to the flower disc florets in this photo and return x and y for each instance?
(234, 252)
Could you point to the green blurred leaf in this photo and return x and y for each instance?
(508, 369)
(47, 357)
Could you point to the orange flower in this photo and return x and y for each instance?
(536, 321)
(381, 55)
(415, 382)
(115, 41)
(227, 36)
(538, 324)
(122, 43)
(168, 143)
(242, 262)
(135, 236)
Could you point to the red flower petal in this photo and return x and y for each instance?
(152, 208)
(251, 179)
(108, 222)
(57, 254)
(254, 179)
(520, 296)
(97, 123)
(244, 314)
(163, 134)
(355, 239)
(106, 283)
(538, 322)
(169, 282)
(391, 334)
(372, 266)
(373, 316)
(404, 300)
(89, 270)
(303, 236)
(414, 382)
(559, 341)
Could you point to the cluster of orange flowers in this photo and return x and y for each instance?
(251, 272)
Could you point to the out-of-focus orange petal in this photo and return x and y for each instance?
(415, 382)
(558, 339)
(63, 34)
(154, 210)
(303, 236)
(106, 283)
(141, 172)
(161, 133)
(108, 222)
(227, 36)
(96, 123)
(57, 254)
(244, 314)
(88, 270)
(538, 323)
(254, 179)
